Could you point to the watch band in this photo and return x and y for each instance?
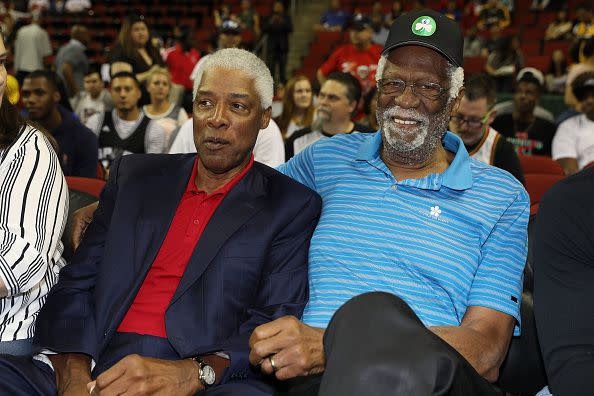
(206, 373)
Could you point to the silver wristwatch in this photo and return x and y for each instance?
(206, 373)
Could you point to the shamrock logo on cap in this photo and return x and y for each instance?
(424, 26)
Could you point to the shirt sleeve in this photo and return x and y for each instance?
(270, 148)
(94, 123)
(31, 221)
(498, 281)
(46, 45)
(331, 64)
(155, 138)
(564, 143)
(182, 117)
(301, 167)
(184, 141)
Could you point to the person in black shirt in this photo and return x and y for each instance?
(530, 134)
(77, 145)
(472, 121)
(563, 284)
(336, 104)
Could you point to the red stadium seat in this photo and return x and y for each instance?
(538, 184)
(536, 164)
(540, 62)
(85, 184)
(474, 64)
(530, 48)
(533, 34)
(551, 46)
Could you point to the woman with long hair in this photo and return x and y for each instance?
(169, 115)
(134, 50)
(33, 212)
(298, 107)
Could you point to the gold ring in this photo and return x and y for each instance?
(272, 363)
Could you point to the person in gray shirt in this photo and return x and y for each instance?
(71, 61)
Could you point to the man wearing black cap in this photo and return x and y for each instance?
(573, 145)
(528, 131)
(415, 268)
(358, 58)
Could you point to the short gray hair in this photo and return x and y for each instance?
(455, 74)
(245, 61)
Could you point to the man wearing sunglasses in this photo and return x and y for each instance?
(472, 124)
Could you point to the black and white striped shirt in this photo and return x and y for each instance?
(33, 213)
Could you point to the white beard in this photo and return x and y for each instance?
(417, 145)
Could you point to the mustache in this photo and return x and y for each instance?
(407, 114)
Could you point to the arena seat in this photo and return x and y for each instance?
(540, 165)
(538, 184)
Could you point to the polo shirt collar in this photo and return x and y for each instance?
(458, 176)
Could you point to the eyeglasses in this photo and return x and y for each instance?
(474, 123)
(396, 87)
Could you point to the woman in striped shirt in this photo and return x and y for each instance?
(33, 212)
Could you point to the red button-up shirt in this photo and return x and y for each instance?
(146, 315)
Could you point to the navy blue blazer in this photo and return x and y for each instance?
(249, 266)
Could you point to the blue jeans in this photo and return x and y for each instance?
(16, 348)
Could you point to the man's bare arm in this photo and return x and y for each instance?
(80, 221)
(482, 338)
(73, 372)
(68, 74)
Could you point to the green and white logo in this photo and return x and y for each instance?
(424, 26)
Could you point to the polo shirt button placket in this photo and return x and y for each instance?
(196, 221)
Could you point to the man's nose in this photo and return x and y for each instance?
(407, 99)
(217, 118)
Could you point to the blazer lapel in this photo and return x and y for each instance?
(158, 210)
(241, 203)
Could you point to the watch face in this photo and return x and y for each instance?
(208, 375)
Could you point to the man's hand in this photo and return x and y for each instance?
(73, 372)
(137, 375)
(297, 349)
(80, 221)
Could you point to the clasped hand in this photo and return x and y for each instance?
(297, 349)
(137, 375)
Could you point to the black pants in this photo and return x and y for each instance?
(376, 345)
(278, 57)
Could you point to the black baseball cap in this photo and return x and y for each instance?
(583, 84)
(360, 22)
(430, 29)
(230, 27)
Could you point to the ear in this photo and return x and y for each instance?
(265, 119)
(56, 96)
(492, 117)
(457, 101)
(353, 106)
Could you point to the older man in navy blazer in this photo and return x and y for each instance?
(186, 255)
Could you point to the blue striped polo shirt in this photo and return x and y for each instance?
(442, 243)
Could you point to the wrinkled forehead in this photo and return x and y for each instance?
(417, 60)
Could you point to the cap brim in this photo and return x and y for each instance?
(423, 44)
